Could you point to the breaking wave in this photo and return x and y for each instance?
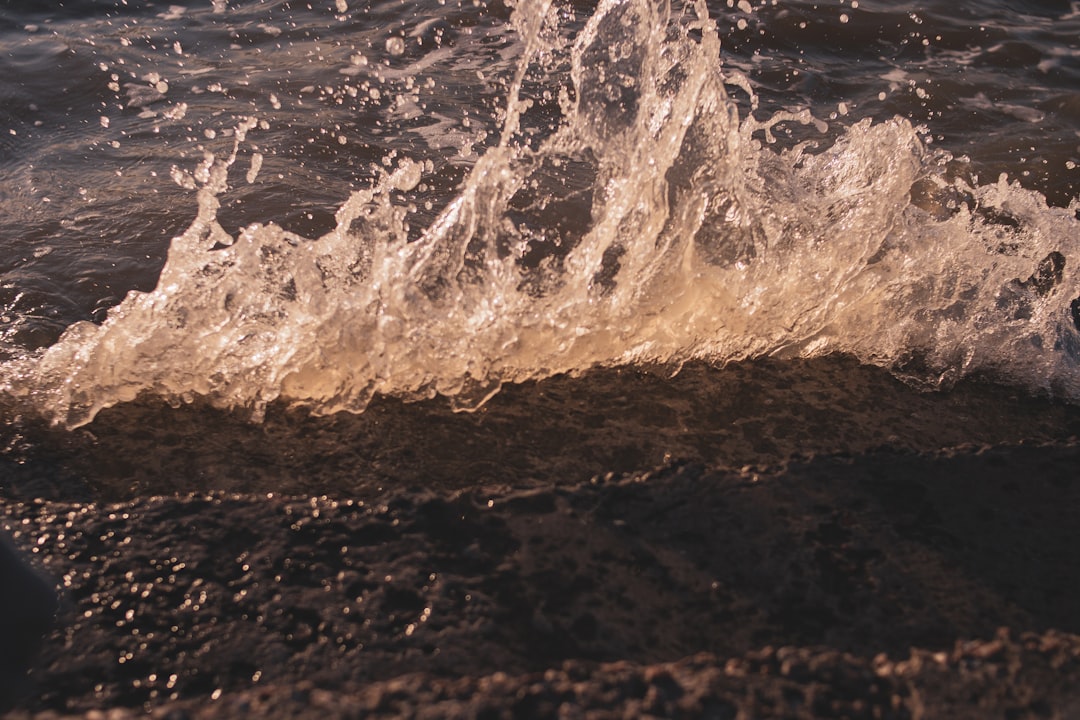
(628, 213)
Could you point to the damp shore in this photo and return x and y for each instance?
(579, 546)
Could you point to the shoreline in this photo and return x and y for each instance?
(559, 431)
(866, 548)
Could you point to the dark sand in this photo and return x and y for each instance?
(815, 540)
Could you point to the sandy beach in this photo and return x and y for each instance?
(891, 579)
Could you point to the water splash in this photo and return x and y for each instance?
(627, 214)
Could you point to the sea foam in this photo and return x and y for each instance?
(627, 214)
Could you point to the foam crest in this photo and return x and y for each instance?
(634, 218)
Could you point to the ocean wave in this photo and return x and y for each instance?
(626, 210)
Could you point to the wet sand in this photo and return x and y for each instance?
(768, 540)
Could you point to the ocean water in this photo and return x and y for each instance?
(236, 206)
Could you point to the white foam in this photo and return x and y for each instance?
(648, 223)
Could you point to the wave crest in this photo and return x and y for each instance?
(627, 214)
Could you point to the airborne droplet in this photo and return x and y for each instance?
(395, 46)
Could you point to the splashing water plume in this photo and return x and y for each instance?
(634, 218)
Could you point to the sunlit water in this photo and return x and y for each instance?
(324, 203)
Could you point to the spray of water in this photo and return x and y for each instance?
(633, 217)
